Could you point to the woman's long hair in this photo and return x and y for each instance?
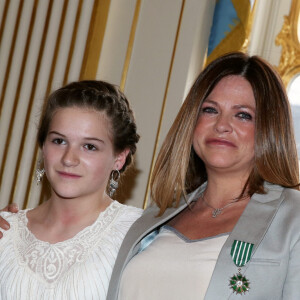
(178, 169)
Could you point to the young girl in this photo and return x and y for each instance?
(66, 247)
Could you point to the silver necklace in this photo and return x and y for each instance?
(218, 211)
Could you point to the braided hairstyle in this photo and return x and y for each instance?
(99, 96)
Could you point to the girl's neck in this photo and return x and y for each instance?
(60, 219)
(62, 209)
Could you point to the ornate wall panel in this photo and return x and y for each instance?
(153, 49)
(288, 39)
(43, 45)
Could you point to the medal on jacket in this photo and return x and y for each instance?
(241, 254)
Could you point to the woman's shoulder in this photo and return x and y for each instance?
(292, 193)
(288, 212)
(291, 198)
(288, 194)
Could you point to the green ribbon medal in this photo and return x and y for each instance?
(241, 254)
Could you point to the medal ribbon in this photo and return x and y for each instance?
(241, 252)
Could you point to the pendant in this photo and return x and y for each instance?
(239, 283)
(216, 212)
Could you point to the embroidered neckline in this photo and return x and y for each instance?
(49, 262)
(102, 215)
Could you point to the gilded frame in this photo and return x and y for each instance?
(289, 64)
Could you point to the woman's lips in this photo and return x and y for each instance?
(68, 175)
(220, 142)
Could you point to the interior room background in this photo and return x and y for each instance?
(152, 49)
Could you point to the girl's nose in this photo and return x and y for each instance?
(70, 158)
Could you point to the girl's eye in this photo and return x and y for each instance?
(59, 141)
(90, 147)
(209, 110)
(244, 116)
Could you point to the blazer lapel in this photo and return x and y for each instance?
(149, 222)
(141, 228)
(251, 227)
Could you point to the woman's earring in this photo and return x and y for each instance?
(39, 173)
(113, 182)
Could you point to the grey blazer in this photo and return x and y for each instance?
(270, 221)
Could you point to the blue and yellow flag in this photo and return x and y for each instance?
(230, 27)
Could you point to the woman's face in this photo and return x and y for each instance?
(224, 134)
(78, 153)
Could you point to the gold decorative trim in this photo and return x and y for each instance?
(18, 88)
(163, 107)
(72, 44)
(21, 147)
(31, 100)
(11, 53)
(3, 21)
(289, 64)
(57, 46)
(33, 90)
(130, 44)
(95, 39)
(249, 27)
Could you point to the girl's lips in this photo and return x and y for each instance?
(220, 142)
(68, 175)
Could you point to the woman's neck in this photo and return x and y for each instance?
(221, 190)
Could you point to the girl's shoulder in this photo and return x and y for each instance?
(127, 212)
(10, 217)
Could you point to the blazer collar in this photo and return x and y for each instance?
(251, 227)
(141, 228)
(150, 221)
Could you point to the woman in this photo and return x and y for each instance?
(66, 247)
(225, 222)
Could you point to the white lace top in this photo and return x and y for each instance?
(78, 268)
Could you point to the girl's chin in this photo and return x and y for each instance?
(66, 194)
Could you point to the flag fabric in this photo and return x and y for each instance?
(229, 30)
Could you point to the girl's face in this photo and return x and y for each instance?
(78, 153)
(224, 134)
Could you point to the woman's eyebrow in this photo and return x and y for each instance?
(238, 106)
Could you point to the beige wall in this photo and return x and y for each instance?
(168, 49)
(42, 46)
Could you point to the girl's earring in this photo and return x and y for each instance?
(39, 173)
(113, 182)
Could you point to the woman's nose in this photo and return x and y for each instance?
(223, 124)
(70, 157)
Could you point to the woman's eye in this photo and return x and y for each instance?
(209, 110)
(90, 147)
(244, 116)
(59, 141)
